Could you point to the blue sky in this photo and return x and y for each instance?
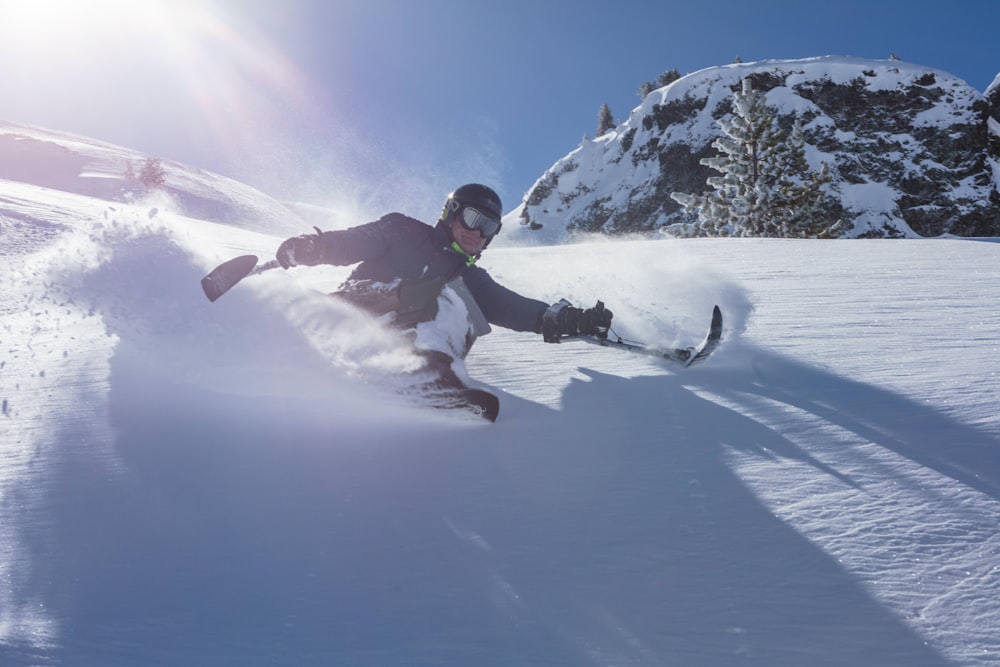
(390, 103)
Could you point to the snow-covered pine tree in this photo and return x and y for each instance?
(668, 77)
(605, 121)
(665, 79)
(731, 207)
(766, 187)
(799, 204)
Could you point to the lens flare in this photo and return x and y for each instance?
(119, 59)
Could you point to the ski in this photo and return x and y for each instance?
(684, 356)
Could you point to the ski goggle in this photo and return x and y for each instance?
(473, 219)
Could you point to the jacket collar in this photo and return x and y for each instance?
(445, 240)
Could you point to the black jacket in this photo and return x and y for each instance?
(397, 246)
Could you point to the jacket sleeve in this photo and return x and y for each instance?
(357, 244)
(502, 306)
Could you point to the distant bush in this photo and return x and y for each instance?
(151, 175)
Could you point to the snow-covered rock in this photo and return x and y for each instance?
(908, 147)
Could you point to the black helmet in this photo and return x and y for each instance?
(480, 196)
(475, 207)
(475, 195)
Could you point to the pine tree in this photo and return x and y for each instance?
(766, 187)
(667, 77)
(605, 121)
(799, 202)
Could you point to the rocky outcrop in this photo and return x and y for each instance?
(910, 149)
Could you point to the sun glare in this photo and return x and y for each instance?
(38, 21)
(116, 52)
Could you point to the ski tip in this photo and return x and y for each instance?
(223, 277)
(210, 288)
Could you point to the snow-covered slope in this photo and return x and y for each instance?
(906, 146)
(81, 165)
(202, 484)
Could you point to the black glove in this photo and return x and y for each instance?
(306, 250)
(595, 321)
(562, 319)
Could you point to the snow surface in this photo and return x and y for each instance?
(184, 482)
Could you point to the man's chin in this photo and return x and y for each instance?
(472, 251)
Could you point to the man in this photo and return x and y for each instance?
(409, 262)
(407, 268)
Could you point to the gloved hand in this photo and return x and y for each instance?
(562, 319)
(595, 321)
(306, 250)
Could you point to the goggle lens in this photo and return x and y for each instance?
(473, 219)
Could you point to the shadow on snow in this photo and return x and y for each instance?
(259, 529)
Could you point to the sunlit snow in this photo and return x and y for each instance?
(195, 483)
